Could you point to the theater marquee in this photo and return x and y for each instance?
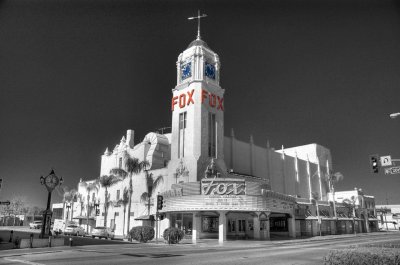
(222, 186)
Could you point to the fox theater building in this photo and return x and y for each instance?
(217, 186)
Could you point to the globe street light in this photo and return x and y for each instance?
(51, 181)
(394, 115)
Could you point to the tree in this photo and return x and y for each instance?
(69, 196)
(315, 196)
(151, 186)
(80, 198)
(332, 179)
(351, 205)
(133, 167)
(107, 181)
(89, 188)
(124, 201)
(16, 206)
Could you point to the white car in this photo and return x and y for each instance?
(35, 225)
(74, 230)
(101, 231)
(58, 226)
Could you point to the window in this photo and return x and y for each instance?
(118, 194)
(279, 224)
(211, 135)
(181, 139)
(242, 225)
(120, 162)
(210, 224)
(231, 226)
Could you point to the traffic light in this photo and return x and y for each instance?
(374, 163)
(97, 212)
(160, 201)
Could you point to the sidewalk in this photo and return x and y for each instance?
(200, 243)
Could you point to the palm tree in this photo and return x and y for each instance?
(133, 167)
(124, 201)
(351, 205)
(74, 195)
(80, 197)
(315, 197)
(332, 179)
(151, 185)
(89, 188)
(106, 181)
(69, 196)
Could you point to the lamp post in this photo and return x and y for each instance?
(87, 213)
(68, 207)
(51, 181)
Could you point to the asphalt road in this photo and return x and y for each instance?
(232, 252)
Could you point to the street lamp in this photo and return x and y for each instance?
(51, 181)
(394, 115)
(68, 206)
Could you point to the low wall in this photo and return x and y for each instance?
(4, 246)
(5, 235)
(24, 240)
(42, 242)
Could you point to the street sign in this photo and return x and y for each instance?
(392, 170)
(386, 161)
(5, 203)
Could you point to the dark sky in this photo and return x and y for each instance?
(75, 75)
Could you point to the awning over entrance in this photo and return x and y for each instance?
(145, 218)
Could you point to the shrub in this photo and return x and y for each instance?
(173, 235)
(363, 255)
(142, 233)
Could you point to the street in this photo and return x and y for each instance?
(309, 251)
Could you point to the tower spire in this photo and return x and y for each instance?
(198, 22)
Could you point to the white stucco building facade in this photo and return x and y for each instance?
(215, 186)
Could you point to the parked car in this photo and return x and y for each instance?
(101, 231)
(58, 226)
(74, 230)
(35, 225)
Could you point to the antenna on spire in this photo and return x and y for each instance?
(198, 22)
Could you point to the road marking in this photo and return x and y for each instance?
(23, 261)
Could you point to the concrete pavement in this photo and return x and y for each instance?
(202, 243)
(205, 252)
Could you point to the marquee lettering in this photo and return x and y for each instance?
(222, 187)
(172, 193)
(185, 99)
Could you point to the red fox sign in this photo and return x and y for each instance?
(185, 99)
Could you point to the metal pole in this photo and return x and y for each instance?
(386, 221)
(157, 226)
(45, 215)
(87, 215)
